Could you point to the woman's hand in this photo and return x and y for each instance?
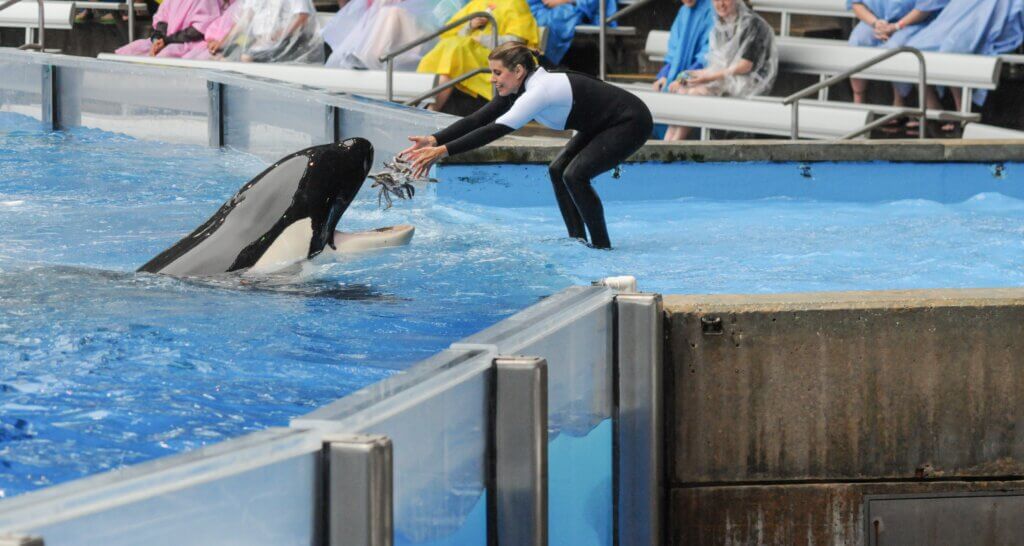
(659, 84)
(155, 48)
(423, 158)
(701, 77)
(418, 142)
(676, 87)
(212, 46)
(478, 23)
(556, 3)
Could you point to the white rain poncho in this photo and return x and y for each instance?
(376, 27)
(745, 36)
(275, 31)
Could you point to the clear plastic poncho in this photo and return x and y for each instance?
(275, 31)
(358, 39)
(744, 36)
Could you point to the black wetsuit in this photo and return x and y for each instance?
(611, 124)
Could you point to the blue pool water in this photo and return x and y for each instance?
(101, 367)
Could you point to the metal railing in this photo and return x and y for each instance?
(129, 5)
(389, 57)
(42, 24)
(602, 34)
(921, 112)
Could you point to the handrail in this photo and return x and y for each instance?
(442, 87)
(389, 57)
(921, 112)
(602, 34)
(42, 24)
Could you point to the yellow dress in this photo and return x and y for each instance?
(458, 53)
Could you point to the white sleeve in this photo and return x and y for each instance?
(302, 6)
(524, 109)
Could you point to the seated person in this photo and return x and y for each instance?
(742, 59)
(178, 27)
(215, 34)
(384, 26)
(977, 27)
(561, 17)
(275, 31)
(465, 48)
(881, 20)
(687, 42)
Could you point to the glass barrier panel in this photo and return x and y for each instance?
(21, 88)
(259, 489)
(573, 331)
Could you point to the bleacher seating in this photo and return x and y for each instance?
(368, 83)
(821, 57)
(762, 117)
(788, 8)
(978, 131)
(25, 14)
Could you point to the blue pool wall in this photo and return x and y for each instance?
(529, 185)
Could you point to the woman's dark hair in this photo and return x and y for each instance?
(512, 54)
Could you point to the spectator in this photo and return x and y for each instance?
(215, 34)
(687, 42)
(465, 49)
(978, 27)
(881, 20)
(178, 27)
(742, 59)
(561, 17)
(275, 31)
(385, 26)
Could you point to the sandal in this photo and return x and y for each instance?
(107, 19)
(83, 16)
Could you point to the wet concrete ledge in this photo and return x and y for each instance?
(543, 150)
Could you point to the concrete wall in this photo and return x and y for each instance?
(803, 403)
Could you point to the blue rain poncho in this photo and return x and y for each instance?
(979, 27)
(688, 40)
(888, 10)
(561, 22)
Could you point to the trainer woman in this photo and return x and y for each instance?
(610, 125)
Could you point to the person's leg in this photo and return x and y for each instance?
(441, 98)
(859, 87)
(606, 150)
(570, 215)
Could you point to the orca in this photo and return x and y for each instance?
(287, 213)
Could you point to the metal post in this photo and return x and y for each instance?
(966, 99)
(131, 20)
(705, 133)
(50, 115)
(823, 92)
(922, 84)
(42, 27)
(360, 508)
(784, 26)
(518, 505)
(389, 85)
(639, 465)
(794, 127)
(602, 38)
(215, 114)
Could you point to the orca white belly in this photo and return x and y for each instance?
(384, 237)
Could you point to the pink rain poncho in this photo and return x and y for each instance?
(216, 32)
(178, 15)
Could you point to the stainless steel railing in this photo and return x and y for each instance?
(602, 34)
(42, 24)
(389, 57)
(921, 112)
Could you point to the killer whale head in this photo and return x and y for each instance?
(289, 212)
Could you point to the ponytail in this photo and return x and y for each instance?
(513, 54)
